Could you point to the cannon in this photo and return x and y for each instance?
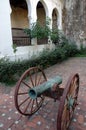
(33, 86)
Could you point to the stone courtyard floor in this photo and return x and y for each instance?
(45, 118)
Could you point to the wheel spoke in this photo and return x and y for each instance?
(37, 103)
(39, 79)
(42, 97)
(32, 106)
(73, 87)
(64, 117)
(75, 83)
(27, 105)
(22, 93)
(31, 80)
(36, 75)
(75, 96)
(26, 84)
(67, 118)
(24, 101)
(71, 113)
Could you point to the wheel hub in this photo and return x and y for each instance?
(70, 102)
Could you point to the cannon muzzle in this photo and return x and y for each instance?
(38, 90)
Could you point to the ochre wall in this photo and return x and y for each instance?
(19, 18)
(41, 16)
(54, 20)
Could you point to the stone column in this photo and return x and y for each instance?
(49, 15)
(60, 19)
(32, 16)
(5, 29)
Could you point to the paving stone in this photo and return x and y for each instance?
(81, 119)
(46, 117)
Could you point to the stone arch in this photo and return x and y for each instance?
(19, 21)
(41, 12)
(55, 17)
(29, 7)
(45, 7)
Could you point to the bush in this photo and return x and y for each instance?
(39, 31)
(70, 49)
(55, 36)
(11, 71)
(82, 49)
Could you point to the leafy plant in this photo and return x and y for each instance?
(39, 31)
(28, 32)
(10, 71)
(58, 38)
(82, 50)
(14, 46)
(55, 36)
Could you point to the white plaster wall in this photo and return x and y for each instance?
(28, 51)
(5, 28)
(49, 5)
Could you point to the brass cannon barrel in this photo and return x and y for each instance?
(38, 90)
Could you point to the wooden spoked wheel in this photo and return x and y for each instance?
(68, 103)
(31, 78)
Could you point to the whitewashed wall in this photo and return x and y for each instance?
(5, 29)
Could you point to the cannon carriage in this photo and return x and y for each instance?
(33, 87)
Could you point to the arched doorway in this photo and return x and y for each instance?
(41, 14)
(55, 19)
(41, 19)
(19, 15)
(19, 21)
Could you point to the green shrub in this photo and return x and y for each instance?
(39, 31)
(82, 49)
(55, 36)
(70, 49)
(10, 71)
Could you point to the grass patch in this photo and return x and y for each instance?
(80, 55)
